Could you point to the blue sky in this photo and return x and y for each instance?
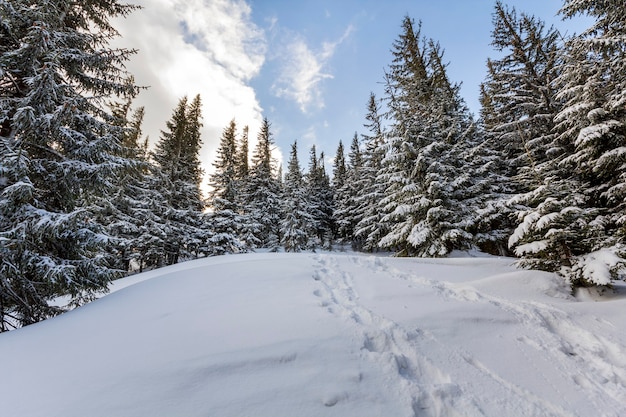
(307, 65)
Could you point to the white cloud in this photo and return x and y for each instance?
(303, 70)
(189, 47)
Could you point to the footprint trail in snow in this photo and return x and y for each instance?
(517, 346)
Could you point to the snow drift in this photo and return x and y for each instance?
(325, 335)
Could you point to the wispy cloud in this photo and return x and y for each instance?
(303, 70)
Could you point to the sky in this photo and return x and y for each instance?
(309, 66)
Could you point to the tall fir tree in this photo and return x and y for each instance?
(321, 204)
(519, 105)
(178, 178)
(406, 88)
(341, 196)
(296, 225)
(572, 225)
(127, 211)
(59, 151)
(576, 225)
(248, 227)
(366, 190)
(225, 219)
(263, 199)
(430, 128)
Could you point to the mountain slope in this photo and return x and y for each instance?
(325, 335)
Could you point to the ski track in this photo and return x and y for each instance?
(430, 392)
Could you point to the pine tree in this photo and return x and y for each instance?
(247, 229)
(58, 151)
(347, 193)
(321, 204)
(125, 215)
(263, 204)
(178, 178)
(406, 88)
(242, 168)
(341, 196)
(339, 167)
(366, 190)
(572, 224)
(519, 106)
(429, 133)
(296, 223)
(223, 197)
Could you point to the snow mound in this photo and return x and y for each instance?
(324, 335)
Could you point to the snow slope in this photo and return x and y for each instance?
(325, 335)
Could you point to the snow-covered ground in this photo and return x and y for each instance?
(325, 335)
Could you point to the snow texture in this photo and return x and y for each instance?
(325, 335)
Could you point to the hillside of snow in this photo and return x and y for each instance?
(325, 335)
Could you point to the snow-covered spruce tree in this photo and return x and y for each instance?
(406, 89)
(365, 189)
(320, 195)
(346, 192)
(519, 106)
(135, 207)
(177, 178)
(341, 196)
(423, 203)
(447, 180)
(263, 194)
(242, 166)
(248, 229)
(58, 151)
(225, 219)
(296, 225)
(126, 212)
(592, 125)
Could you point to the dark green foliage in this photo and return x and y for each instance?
(224, 197)
(321, 203)
(177, 176)
(60, 151)
(519, 105)
(263, 195)
(430, 129)
(297, 222)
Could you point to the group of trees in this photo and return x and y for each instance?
(252, 206)
(81, 197)
(541, 174)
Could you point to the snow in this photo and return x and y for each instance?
(598, 265)
(326, 334)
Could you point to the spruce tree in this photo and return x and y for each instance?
(366, 189)
(247, 229)
(406, 88)
(341, 195)
(128, 210)
(573, 224)
(519, 106)
(59, 151)
(321, 204)
(296, 225)
(223, 197)
(430, 129)
(177, 178)
(263, 205)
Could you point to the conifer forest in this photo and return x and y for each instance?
(539, 174)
